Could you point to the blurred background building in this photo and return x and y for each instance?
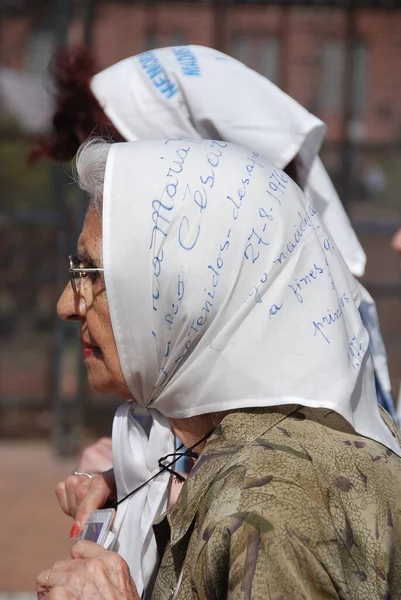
(338, 58)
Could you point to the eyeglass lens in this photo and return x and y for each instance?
(75, 276)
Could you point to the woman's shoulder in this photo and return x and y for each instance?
(310, 487)
(311, 460)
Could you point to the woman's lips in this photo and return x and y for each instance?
(89, 351)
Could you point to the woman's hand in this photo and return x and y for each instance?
(79, 495)
(91, 572)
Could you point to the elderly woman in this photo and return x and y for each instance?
(189, 91)
(208, 290)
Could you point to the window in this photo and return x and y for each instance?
(333, 74)
(259, 53)
(40, 48)
(359, 79)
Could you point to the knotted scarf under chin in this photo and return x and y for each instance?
(136, 450)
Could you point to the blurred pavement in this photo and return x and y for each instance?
(33, 529)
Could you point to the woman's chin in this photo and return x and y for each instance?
(99, 382)
(99, 386)
(102, 383)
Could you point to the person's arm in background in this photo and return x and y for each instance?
(97, 457)
(396, 241)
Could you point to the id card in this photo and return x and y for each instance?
(98, 527)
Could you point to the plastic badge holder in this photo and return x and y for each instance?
(98, 527)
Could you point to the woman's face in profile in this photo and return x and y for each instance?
(89, 306)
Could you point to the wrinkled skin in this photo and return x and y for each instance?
(91, 572)
(90, 308)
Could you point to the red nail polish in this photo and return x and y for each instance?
(75, 530)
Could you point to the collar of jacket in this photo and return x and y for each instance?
(238, 429)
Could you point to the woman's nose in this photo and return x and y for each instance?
(71, 306)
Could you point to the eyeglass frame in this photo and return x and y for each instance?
(78, 272)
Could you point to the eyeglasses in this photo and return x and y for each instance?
(78, 272)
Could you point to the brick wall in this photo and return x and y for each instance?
(14, 35)
(122, 29)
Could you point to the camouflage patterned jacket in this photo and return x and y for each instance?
(285, 503)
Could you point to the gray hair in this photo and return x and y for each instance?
(89, 171)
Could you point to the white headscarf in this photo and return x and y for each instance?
(225, 291)
(193, 91)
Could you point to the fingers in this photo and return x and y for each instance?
(73, 576)
(78, 583)
(42, 582)
(71, 492)
(62, 497)
(91, 572)
(78, 496)
(113, 566)
(86, 549)
(92, 496)
(76, 487)
(45, 589)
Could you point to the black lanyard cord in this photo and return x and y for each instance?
(189, 453)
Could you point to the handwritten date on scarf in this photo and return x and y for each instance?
(278, 180)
